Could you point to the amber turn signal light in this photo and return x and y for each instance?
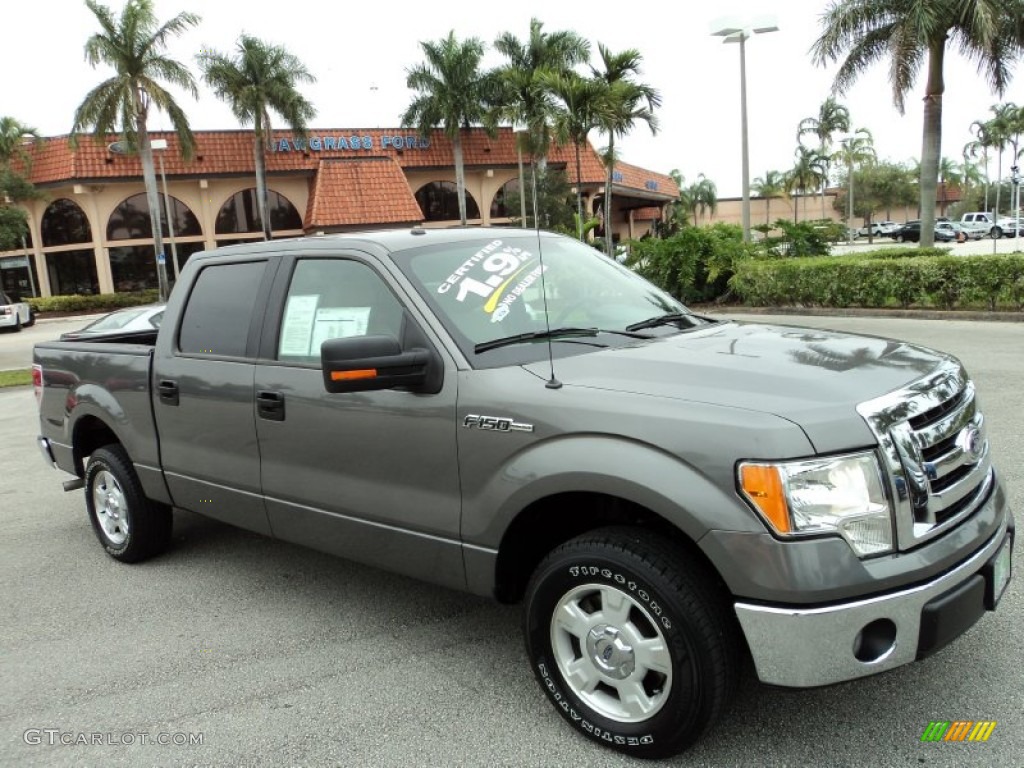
(366, 373)
(763, 487)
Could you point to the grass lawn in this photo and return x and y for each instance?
(16, 378)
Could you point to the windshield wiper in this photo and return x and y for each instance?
(520, 338)
(671, 317)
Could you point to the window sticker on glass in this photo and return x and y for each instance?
(339, 323)
(297, 328)
(497, 273)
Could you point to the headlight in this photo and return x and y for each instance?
(839, 494)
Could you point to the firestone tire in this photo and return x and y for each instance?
(129, 526)
(634, 645)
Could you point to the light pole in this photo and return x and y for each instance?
(737, 32)
(845, 139)
(161, 144)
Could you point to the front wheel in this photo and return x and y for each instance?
(633, 644)
(996, 232)
(129, 526)
(900, 238)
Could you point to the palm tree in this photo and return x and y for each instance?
(523, 99)
(910, 33)
(582, 102)
(452, 94)
(133, 45)
(806, 175)
(832, 117)
(15, 138)
(260, 77)
(772, 184)
(857, 149)
(702, 196)
(629, 102)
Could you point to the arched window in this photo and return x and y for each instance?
(64, 223)
(439, 201)
(130, 220)
(500, 204)
(241, 214)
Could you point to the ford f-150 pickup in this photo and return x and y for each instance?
(506, 412)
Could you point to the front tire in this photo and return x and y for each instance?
(633, 643)
(900, 238)
(996, 232)
(129, 526)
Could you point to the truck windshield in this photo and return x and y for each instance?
(490, 289)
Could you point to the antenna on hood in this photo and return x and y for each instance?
(552, 383)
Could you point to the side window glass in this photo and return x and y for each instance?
(331, 299)
(216, 319)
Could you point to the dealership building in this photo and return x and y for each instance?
(90, 231)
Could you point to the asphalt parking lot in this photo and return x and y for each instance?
(278, 656)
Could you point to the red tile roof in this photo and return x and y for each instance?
(357, 191)
(231, 153)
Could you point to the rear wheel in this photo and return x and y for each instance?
(633, 644)
(129, 526)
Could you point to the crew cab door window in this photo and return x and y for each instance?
(330, 299)
(219, 310)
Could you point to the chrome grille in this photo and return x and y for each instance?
(933, 441)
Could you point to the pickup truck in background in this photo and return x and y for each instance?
(510, 413)
(15, 314)
(995, 227)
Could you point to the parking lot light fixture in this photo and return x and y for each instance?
(736, 31)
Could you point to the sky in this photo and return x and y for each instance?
(360, 53)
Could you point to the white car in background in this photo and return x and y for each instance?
(878, 229)
(15, 314)
(120, 321)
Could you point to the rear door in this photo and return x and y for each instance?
(203, 393)
(371, 476)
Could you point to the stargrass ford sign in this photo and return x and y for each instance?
(353, 142)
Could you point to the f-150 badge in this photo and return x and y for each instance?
(495, 424)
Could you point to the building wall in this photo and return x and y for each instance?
(808, 207)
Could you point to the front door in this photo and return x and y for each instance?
(371, 476)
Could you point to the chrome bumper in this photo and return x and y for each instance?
(802, 648)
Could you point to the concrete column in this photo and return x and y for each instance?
(207, 216)
(99, 239)
(35, 218)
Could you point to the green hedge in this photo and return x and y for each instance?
(945, 282)
(94, 303)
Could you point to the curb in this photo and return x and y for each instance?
(913, 314)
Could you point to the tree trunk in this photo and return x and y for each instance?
(259, 144)
(579, 194)
(460, 175)
(152, 199)
(931, 144)
(767, 211)
(609, 247)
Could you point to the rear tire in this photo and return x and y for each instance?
(634, 644)
(129, 526)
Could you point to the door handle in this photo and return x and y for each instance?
(168, 391)
(270, 405)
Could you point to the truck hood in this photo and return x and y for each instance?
(811, 377)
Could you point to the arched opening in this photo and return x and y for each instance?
(240, 214)
(506, 201)
(439, 201)
(130, 220)
(65, 223)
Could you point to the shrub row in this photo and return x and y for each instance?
(946, 282)
(94, 303)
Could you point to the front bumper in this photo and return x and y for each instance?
(8, 321)
(806, 647)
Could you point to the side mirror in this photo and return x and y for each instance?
(364, 363)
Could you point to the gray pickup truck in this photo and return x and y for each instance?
(671, 497)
